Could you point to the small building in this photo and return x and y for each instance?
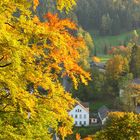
(93, 118)
(80, 113)
(103, 114)
(100, 66)
(138, 109)
(136, 81)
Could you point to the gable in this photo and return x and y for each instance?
(103, 112)
(79, 109)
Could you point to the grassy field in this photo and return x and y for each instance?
(101, 41)
(104, 58)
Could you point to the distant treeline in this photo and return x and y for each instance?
(105, 17)
(109, 17)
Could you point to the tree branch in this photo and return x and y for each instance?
(5, 65)
(10, 25)
(1, 58)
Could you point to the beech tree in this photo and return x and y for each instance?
(35, 54)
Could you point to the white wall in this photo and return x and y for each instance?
(121, 92)
(81, 117)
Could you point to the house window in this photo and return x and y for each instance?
(76, 116)
(80, 116)
(84, 122)
(84, 116)
(75, 122)
(80, 123)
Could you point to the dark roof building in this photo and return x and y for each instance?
(136, 81)
(103, 112)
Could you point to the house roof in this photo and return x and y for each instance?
(100, 65)
(84, 105)
(136, 81)
(93, 115)
(103, 111)
(138, 109)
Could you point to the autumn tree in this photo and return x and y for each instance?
(121, 50)
(135, 61)
(116, 68)
(120, 126)
(130, 97)
(88, 40)
(34, 55)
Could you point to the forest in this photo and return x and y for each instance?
(106, 17)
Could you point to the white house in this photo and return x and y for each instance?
(80, 113)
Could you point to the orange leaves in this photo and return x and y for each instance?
(63, 48)
(35, 3)
(35, 19)
(78, 137)
(88, 138)
(54, 21)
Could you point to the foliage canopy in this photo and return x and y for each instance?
(33, 55)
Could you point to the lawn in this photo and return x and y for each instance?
(101, 41)
(104, 58)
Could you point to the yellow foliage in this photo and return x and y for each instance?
(120, 125)
(116, 66)
(36, 54)
(65, 4)
(96, 59)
